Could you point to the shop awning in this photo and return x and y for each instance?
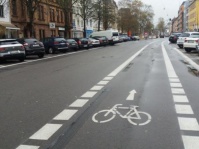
(8, 25)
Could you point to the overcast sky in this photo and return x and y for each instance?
(163, 8)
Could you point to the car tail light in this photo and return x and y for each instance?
(2, 49)
(25, 44)
(67, 44)
(100, 41)
(56, 42)
(196, 40)
(79, 42)
(185, 40)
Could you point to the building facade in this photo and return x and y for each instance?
(49, 19)
(181, 18)
(193, 15)
(7, 29)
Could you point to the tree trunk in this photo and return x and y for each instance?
(66, 24)
(84, 28)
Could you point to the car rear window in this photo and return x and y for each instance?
(31, 40)
(8, 42)
(195, 35)
(60, 39)
(185, 35)
(115, 34)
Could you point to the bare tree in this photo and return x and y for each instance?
(85, 11)
(31, 7)
(161, 24)
(98, 14)
(67, 8)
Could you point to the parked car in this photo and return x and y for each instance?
(94, 42)
(78, 42)
(85, 43)
(182, 37)
(53, 44)
(135, 38)
(11, 49)
(124, 37)
(174, 37)
(191, 42)
(32, 46)
(72, 44)
(103, 40)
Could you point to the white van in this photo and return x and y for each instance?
(112, 35)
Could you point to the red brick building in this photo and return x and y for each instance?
(48, 19)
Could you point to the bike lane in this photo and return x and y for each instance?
(143, 83)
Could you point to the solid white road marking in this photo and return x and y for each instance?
(180, 98)
(175, 84)
(190, 142)
(65, 114)
(190, 124)
(131, 95)
(108, 78)
(89, 94)
(183, 109)
(79, 103)
(46, 132)
(96, 88)
(27, 147)
(177, 91)
(172, 80)
(103, 82)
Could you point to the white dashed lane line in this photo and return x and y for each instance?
(65, 114)
(27, 147)
(79, 103)
(185, 123)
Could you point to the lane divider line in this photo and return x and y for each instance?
(79, 103)
(45, 132)
(28, 147)
(68, 113)
(185, 123)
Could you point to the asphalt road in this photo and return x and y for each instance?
(87, 99)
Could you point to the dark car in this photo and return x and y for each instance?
(53, 44)
(85, 43)
(72, 44)
(78, 42)
(32, 46)
(174, 37)
(11, 49)
(103, 40)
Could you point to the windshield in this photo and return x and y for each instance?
(115, 34)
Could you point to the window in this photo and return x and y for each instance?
(52, 33)
(52, 14)
(58, 17)
(14, 7)
(41, 34)
(62, 17)
(41, 12)
(1, 11)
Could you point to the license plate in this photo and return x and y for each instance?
(62, 43)
(85, 45)
(35, 45)
(73, 44)
(190, 41)
(13, 52)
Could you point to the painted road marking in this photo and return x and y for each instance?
(65, 114)
(174, 80)
(131, 95)
(180, 98)
(190, 124)
(79, 103)
(46, 132)
(108, 78)
(96, 88)
(177, 91)
(103, 82)
(175, 84)
(183, 109)
(190, 142)
(89, 94)
(27, 147)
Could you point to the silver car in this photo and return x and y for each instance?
(182, 38)
(11, 49)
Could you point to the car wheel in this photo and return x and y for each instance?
(51, 51)
(40, 55)
(187, 50)
(22, 59)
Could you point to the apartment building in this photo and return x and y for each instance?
(7, 29)
(181, 18)
(48, 19)
(193, 15)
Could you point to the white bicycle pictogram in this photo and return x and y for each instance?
(134, 116)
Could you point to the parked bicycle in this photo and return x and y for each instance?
(134, 116)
